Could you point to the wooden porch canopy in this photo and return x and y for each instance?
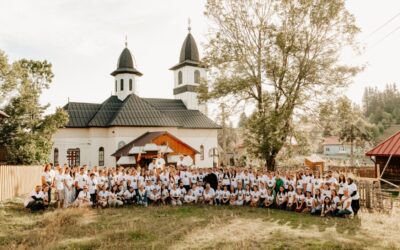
(387, 159)
(148, 145)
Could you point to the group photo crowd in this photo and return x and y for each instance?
(158, 184)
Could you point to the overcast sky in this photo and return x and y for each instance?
(83, 39)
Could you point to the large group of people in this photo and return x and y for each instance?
(303, 191)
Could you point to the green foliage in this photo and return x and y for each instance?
(382, 107)
(26, 134)
(277, 55)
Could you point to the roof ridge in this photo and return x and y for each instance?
(101, 106)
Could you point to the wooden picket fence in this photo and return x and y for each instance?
(18, 180)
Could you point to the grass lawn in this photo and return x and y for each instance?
(192, 228)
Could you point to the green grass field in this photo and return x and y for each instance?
(195, 227)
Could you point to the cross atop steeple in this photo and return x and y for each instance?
(126, 41)
(189, 28)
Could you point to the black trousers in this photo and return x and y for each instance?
(355, 205)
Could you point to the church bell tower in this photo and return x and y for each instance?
(126, 75)
(188, 74)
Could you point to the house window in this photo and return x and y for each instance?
(180, 77)
(55, 156)
(130, 84)
(116, 86)
(101, 156)
(122, 84)
(121, 144)
(202, 152)
(196, 76)
(73, 157)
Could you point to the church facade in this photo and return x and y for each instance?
(96, 131)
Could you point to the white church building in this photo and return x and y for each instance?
(102, 134)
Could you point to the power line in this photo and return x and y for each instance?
(389, 34)
(382, 26)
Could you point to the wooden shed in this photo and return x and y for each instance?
(386, 156)
(148, 145)
(315, 163)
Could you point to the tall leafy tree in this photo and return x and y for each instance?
(278, 55)
(26, 134)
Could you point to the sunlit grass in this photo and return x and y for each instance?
(191, 228)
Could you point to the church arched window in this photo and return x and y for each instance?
(201, 152)
(130, 84)
(180, 77)
(196, 76)
(101, 156)
(116, 86)
(55, 156)
(122, 85)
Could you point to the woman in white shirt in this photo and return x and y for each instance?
(299, 200)
(281, 198)
(269, 199)
(355, 197)
(255, 197)
(83, 199)
(225, 196)
(218, 196)
(68, 188)
(129, 196)
(164, 194)
(247, 195)
(290, 198)
(345, 203)
(47, 179)
(342, 185)
(309, 203)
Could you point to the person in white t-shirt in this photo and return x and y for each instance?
(47, 179)
(34, 201)
(59, 185)
(299, 200)
(102, 199)
(309, 203)
(83, 199)
(80, 181)
(255, 197)
(281, 198)
(189, 197)
(290, 198)
(160, 162)
(355, 197)
(269, 199)
(225, 196)
(68, 187)
(164, 194)
(92, 185)
(218, 195)
(208, 195)
(345, 209)
(152, 165)
(175, 195)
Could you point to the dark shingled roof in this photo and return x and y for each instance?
(189, 53)
(125, 64)
(136, 112)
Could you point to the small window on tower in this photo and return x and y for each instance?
(180, 77)
(122, 84)
(116, 87)
(130, 84)
(196, 76)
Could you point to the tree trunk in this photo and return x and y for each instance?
(270, 160)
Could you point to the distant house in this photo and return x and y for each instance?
(332, 146)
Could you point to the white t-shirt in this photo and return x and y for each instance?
(352, 187)
(291, 195)
(185, 178)
(37, 195)
(59, 181)
(209, 194)
(84, 195)
(309, 201)
(92, 184)
(82, 180)
(47, 176)
(299, 197)
(281, 196)
(255, 195)
(346, 201)
(342, 187)
(176, 194)
(270, 198)
(152, 166)
(160, 163)
(103, 194)
(68, 179)
(226, 195)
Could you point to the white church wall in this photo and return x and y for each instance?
(89, 141)
(197, 137)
